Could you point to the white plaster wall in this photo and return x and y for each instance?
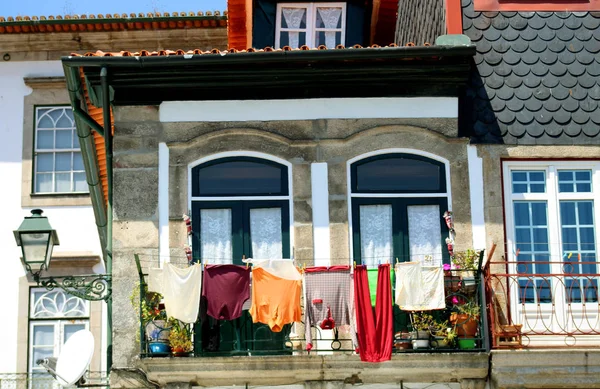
(75, 225)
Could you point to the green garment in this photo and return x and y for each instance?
(372, 277)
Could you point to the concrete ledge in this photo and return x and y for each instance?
(294, 369)
(555, 368)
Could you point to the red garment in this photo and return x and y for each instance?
(225, 288)
(375, 334)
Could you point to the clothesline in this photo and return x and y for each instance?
(410, 256)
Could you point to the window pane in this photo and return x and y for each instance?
(519, 176)
(398, 174)
(376, 234)
(538, 214)
(329, 17)
(77, 162)
(528, 181)
(64, 139)
(239, 178)
(521, 214)
(292, 39)
(585, 212)
(80, 182)
(43, 352)
(266, 233)
(45, 122)
(565, 175)
(523, 240)
(45, 162)
(62, 182)
(294, 18)
(536, 176)
(43, 335)
(64, 121)
(57, 304)
(574, 181)
(70, 329)
(62, 162)
(75, 140)
(43, 182)
(215, 236)
(45, 139)
(424, 234)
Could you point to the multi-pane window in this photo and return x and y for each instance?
(311, 24)
(552, 212)
(57, 157)
(398, 201)
(53, 317)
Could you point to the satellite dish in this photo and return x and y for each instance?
(75, 358)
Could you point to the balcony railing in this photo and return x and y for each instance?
(42, 380)
(557, 308)
(242, 337)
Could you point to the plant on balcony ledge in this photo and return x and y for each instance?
(466, 261)
(422, 323)
(443, 335)
(466, 318)
(180, 338)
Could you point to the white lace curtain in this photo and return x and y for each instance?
(424, 234)
(265, 233)
(215, 235)
(293, 18)
(376, 234)
(330, 17)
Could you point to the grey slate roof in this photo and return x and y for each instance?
(420, 21)
(537, 79)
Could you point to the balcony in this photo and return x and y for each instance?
(557, 308)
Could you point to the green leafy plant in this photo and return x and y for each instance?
(422, 321)
(470, 308)
(442, 329)
(180, 338)
(466, 260)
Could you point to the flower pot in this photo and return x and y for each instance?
(466, 326)
(420, 334)
(439, 342)
(403, 345)
(159, 349)
(180, 352)
(420, 343)
(466, 344)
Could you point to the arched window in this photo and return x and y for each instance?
(398, 201)
(240, 208)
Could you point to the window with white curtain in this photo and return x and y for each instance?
(53, 317)
(310, 24)
(57, 155)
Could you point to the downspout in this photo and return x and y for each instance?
(86, 141)
(108, 147)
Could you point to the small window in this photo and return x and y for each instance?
(398, 173)
(240, 176)
(58, 162)
(574, 181)
(529, 181)
(311, 24)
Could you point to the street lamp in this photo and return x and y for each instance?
(37, 239)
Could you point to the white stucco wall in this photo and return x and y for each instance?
(75, 225)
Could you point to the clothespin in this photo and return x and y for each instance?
(570, 255)
(397, 260)
(247, 265)
(579, 257)
(517, 252)
(355, 264)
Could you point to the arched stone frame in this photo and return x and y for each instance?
(251, 154)
(382, 152)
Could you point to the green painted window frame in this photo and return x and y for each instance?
(401, 245)
(241, 243)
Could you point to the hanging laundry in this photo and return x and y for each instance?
(375, 334)
(181, 291)
(225, 288)
(328, 300)
(155, 280)
(372, 275)
(283, 268)
(276, 300)
(419, 288)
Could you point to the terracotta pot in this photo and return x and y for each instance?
(466, 326)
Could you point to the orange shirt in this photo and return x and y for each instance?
(275, 300)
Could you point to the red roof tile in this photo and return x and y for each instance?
(115, 22)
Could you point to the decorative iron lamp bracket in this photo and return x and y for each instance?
(90, 287)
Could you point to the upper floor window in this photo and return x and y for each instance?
(57, 155)
(311, 24)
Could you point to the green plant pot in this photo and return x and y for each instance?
(466, 344)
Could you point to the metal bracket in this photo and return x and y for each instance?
(90, 287)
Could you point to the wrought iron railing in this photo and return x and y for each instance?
(560, 308)
(42, 380)
(243, 337)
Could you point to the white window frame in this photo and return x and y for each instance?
(53, 151)
(559, 308)
(311, 17)
(447, 194)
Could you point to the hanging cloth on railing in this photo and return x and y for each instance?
(419, 288)
(375, 334)
(328, 300)
(225, 288)
(282, 268)
(181, 291)
(276, 300)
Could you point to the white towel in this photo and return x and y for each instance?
(181, 291)
(155, 280)
(419, 288)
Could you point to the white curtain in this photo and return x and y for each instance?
(376, 234)
(265, 233)
(293, 19)
(215, 227)
(424, 234)
(330, 18)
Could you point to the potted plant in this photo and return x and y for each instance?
(180, 339)
(422, 323)
(466, 262)
(466, 319)
(443, 335)
(154, 320)
(402, 341)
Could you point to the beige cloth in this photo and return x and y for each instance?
(155, 280)
(181, 290)
(419, 288)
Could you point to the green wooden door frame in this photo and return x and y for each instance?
(241, 242)
(401, 245)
